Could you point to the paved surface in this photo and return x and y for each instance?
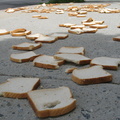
(94, 102)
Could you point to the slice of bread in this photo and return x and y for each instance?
(66, 25)
(46, 61)
(4, 32)
(27, 46)
(81, 15)
(46, 39)
(91, 75)
(72, 14)
(74, 50)
(52, 102)
(36, 16)
(23, 57)
(82, 12)
(89, 30)
(116, 38)
(106, 62)
(88, 23)
(77, 26)
(98, 26)
(34, 36)
(59, 35)
(75, 58)
(76, 31)
(10, 10)
(18, 87)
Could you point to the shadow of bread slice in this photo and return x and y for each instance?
(52, 102)
(106, 62)
(23, 57)
(27, 46)
(116, 38)
(91, 75)
(75, 58)
(46, 61)
(18, 87)
(4, 32)
(73, 50)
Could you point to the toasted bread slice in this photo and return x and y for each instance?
(76, 31)
(27, 46)
(59, 35)
(98, 26)
(23, 57)
(106, 62)
(46, 61)
(34, 36)
(18, 87)
(46, 39)
(73, 50)
(116, 38)
(52, 102)
(4, 32)
(91, 75)
(75, 58)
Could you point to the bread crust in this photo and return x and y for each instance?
(116, 38)
(8, 32)
(92, 80)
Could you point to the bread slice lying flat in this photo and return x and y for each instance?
(46, 39)
(89, 30)
(74, 50)
(75, 58)
(98, 26)
(18, 87)
(4, 32)
(23, 57)
(76, 31)
(59, 35)
(52, 102)
(66, 25)
(116, 38)
(91, 75)
(46, 61)
(33, 36)
(106, 62)
(27, 46)
(77, 26)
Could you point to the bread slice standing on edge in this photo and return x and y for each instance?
(18, 87)
(23, 57)
(73, 50)
(75, 58)
(46, 61)
(52, 102)
(27, 46)
(91, 75)
(4, 32)
(106, 62)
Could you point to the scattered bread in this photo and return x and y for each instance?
(91, 75)
(98, 26)
(4, 32)
(106, 62)
(116, 38)
(27, 46)
(23, 57)
(52, 102)
(46, 61)
(18, 87)
(75, 58)
(73, 50)
(34, 36)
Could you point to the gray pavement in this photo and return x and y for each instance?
(94, 102)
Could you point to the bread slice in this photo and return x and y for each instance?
(89, 30)
(52, 102)
(75, 58)
(66, 25)
(81, 15)
(27, 46)
(70, 70)
(59, 12)
(36, 16)
(76, 31)
(77, 26)
(10, 10)
(106, 62)
(82, 12)
(18, 87)
(116, 38)
(91, 75)
(73, 50)
(72, 14)
(46, 39)
(4, 32)
(34, 36)
(88, 23)
(46, 61)
(98, 26)
(59, 35)
(23, 57)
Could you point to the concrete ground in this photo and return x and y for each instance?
(94, 102)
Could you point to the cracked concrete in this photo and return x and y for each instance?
(94, 102)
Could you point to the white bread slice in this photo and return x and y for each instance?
(72, 14)
(81, 15)
(98, 26)
(74, 50)
(88, 23)
(52, 102)
(116, 38)
(46, 61)
(34, 36)
(75, 58)
(18, 87)
(59, 35)
(4, 32)
(46, 39)
(77, 26)
(89, 30)
(76, 31)
(27, 46)
(23, 57)
(91, 75)
(10, 10)
(106, 62)
(66, 25)
(82, 12)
